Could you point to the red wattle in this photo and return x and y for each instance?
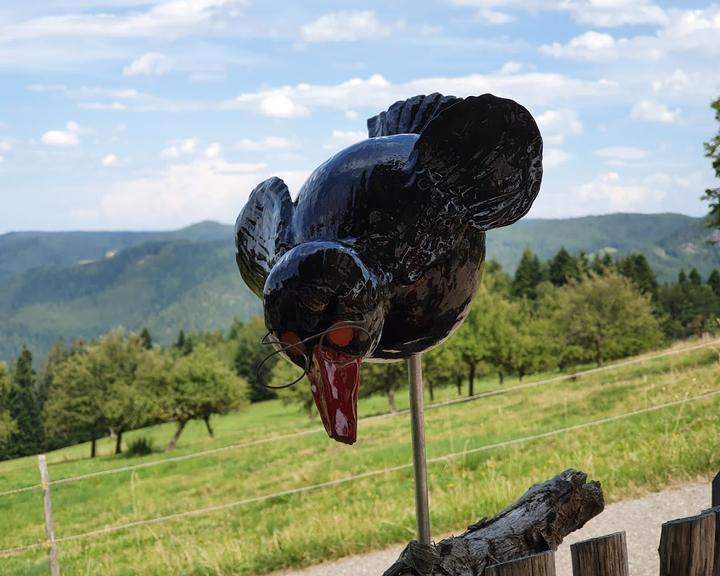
(334, 382)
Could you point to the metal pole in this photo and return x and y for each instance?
(422, 507)
(49, 525)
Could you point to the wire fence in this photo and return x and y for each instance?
(316, 430)
(4, 553)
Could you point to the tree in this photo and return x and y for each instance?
(528, 275)
(563, 267)
(249, 357)
(384, 377)
(469, 342)
(442, 366)
(197, 386)
(99, 388)
(689, 309)
(285, 372)
(531, 350)
(636, 268)
(146, 339)
(73, 411)
(712, 151)
(714, 282)
(183, 343)
(605, 317)
(8, 426)
(25, 409)
(126, 404)
(695, 278)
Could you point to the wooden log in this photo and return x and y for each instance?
(604, 556)
(535, 523)
(537, 565)
(687, 546)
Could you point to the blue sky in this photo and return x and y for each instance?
(154, 114)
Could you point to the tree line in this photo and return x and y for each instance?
(567, 311)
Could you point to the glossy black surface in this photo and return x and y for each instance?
(390, 232)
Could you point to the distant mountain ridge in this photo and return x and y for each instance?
(82, 284)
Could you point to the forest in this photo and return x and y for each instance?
(571, 310)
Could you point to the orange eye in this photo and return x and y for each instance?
(341, 336)
(293, 341)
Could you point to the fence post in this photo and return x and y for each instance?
(537, 565)
(687, 546)
(604, 556)
(716, 491)
(49, 524)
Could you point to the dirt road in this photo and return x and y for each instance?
(640, 518)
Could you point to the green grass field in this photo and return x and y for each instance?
(630, 456)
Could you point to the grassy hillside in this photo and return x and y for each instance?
(22, 251)
(165, 286)
(83, 284)
(633, 455)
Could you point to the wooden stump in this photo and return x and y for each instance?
(538, 565)
(535, 523)
(687, 546)
(604, 556)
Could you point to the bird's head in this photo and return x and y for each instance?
(325, 309)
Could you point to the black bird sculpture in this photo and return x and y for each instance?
(382, 251)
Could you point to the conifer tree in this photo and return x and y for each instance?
(714, 281)
(25, 409)
(528, 275)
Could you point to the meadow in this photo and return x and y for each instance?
(270, 448)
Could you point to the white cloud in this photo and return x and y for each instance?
(166, 19)
(682, 31)
(495, 16)
(5, 144)
(622, 153)
(184, 193)
(511, 68)
(619, 195)
(653, 111)
(118, 99)
(280, 105)
(150, 64)
(554, 157)
(377, 93)
(110, 161)
(605, 13)
(178, 148)
(588, 46)
(62, 138)
(341, 139)
(351, 115)
(556, 125)
(268, 143)
(213, 151)
(344, 27)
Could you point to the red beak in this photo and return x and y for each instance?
(334, 381)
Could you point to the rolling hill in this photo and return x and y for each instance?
(81, 284)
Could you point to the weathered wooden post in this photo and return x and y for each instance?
(716, 491)
(538, 565)
(687, 546)
(49, 524)
(603, 556)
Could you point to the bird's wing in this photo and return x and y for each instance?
(476, 165)
(263, 232)
(409, 116)
(482, 154)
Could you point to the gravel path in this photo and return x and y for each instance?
(640, 518)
